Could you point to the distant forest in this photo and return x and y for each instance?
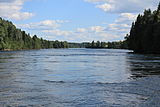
(144, 35)
(107, 45)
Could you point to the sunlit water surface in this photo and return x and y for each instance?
(79, 78)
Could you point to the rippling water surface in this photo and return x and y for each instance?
(79, 78)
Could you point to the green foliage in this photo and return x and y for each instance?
(12, 38)
(108, 45)
(145, 33)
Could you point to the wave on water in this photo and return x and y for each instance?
(50, 81)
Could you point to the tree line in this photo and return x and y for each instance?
(144, 35)
(12, 38)
(107, 45)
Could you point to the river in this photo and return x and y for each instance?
(79, 78)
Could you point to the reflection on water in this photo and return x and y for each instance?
(79, 77)
(143, 65)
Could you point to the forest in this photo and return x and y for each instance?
(144, 35)
(12, 38)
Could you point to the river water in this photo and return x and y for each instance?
(79, 78)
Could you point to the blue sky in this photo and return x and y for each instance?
(75, 20)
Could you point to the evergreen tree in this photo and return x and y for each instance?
(92, 45)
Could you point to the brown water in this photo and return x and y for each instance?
(79, 78)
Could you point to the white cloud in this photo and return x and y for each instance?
(119, 27)
(106, 7)
(97, 29)
(108, 36)
(51, 29)
(126, 17)
(81, 30)
(123, 23)
(97, 1)
(127, 11)
(43, 25)
(58, 32)
(95, 33)
(92, 29)
(124, 6)
(11, 9)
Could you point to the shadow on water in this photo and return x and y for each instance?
(143, 65)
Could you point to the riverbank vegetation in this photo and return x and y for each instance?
(108, 45)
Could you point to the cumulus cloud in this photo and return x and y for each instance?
(81, 30)
(43, 25)
(97, 29)
(95, 33)
(122, 24)
(49, 27)
(106, 7)
(91, 29)
(58, 32)
(126, 11)
(98, 1)
(124, 6)
(126, 18)
(12, 10)
(52, 30)
(121, 28)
